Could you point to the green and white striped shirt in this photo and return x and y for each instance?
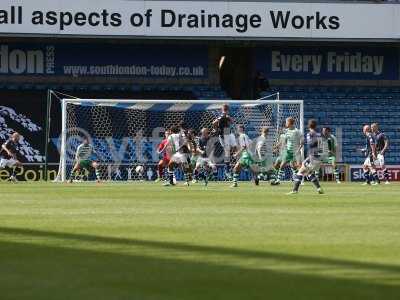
(84, 152)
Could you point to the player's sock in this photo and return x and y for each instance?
(367, 177)
(386, 174)
(337, 174)
(375, 177)
(72, 176)
(294, 171)
(196, 174)
(235, 178)
(228, 167)
(281, 175)
(298, 178)
(314, 180)
(187, 177)
(14, 171)
(171, 177)
(160, 171)
(97, 172)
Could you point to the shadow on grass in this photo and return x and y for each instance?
(30, 271)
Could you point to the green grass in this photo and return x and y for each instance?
(146, 242)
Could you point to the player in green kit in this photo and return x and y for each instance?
(84, 160)
(246, 159)
(292, 152)
(263, 153)
(329, 143)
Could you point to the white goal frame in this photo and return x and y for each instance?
(112, 102)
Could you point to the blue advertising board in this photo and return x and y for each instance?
(354, 63)
(104, 60)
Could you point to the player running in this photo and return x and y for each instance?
(84, 161)
(313, 160)
(222, 126)
(329, 143)
(382, 145)
(371, 157)
(292, 154)
(163, 150)
(180, 149)
(204, 165)
(264, 153)
(8, 155)
(246, 160)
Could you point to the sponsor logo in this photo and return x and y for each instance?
(22, 61)
(356, 173)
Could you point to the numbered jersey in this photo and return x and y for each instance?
(263, 148)
(293, 139)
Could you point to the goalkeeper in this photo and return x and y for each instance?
(83, 160)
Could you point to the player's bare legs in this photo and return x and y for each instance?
(13, 177)
(162, 164)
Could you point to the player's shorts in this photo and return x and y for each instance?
(329, 160)
(8, 163)
(85, 164)
(265, 164)
(379, 162)
(165, 160)
(312, 164)
(288, 156)
(228, 141)
(179, 158)
(203, 162)
(246, 160)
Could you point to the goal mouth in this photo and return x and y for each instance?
(125, 133)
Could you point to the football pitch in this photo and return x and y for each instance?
(147, 242)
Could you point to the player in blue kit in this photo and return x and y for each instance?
(315, 156)
(382, 145)
(370, 174)
(223, 127)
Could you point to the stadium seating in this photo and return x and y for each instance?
(347, 109)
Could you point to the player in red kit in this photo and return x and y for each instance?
(162, 149)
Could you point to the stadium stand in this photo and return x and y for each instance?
(347, 109)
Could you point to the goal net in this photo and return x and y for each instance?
(125, 133)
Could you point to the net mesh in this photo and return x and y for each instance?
(125, 135)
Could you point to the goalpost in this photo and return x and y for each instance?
(125, 133)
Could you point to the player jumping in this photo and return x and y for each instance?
(8, 155)
(313, 161)
(329, 143)
(84, 161)
(371, 157)
(382, 145)
(164, 151)
(222, 126)
(292, 154)
(246, 160)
